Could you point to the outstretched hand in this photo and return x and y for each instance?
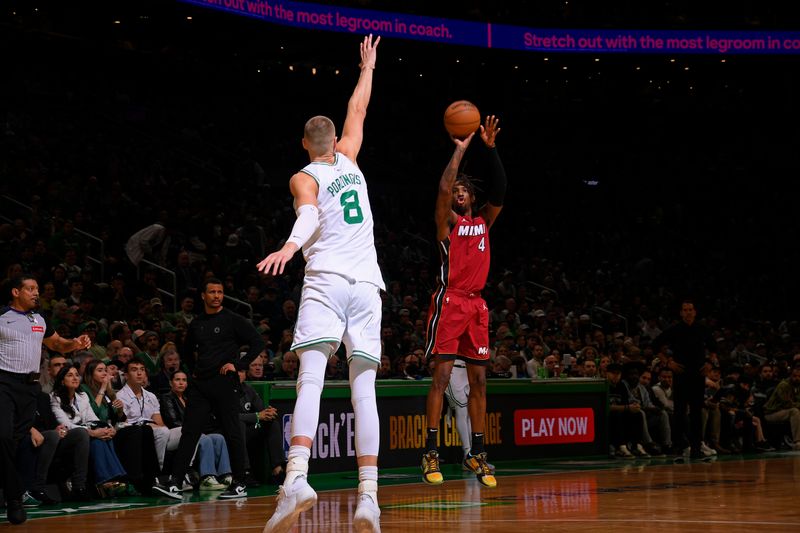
(489, 130)
(276, 261)
(83, 342)
(462, 144)
(369, 52)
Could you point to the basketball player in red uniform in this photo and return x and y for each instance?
(458, 321)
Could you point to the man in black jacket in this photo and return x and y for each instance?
(261, 427)
(214, 339)
(689, 344)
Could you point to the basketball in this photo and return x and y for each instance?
(461, 118)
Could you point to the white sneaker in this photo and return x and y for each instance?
(706, 450)
(211, 483)
(192, 479)
(367, 516)
(292, 501)
(639, 451)
(624, 452)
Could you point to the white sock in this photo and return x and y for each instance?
(297, 463)
(368, 473)
(368, 482)
(299, 451)
(369, 486)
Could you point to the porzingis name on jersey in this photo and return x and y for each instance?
(469, 231)
(343, 181)
(344, 243)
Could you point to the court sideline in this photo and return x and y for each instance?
(729, 494)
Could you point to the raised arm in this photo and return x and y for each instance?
(497, 192)
(353, 130)
(304, 189)
(445, 217)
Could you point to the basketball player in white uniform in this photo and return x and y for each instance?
(457, 394)
(340, 301)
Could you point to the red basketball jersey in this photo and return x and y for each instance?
(465, 255)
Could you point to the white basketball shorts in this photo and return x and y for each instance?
(334, 309)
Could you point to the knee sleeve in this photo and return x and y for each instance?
(365, 407)
(310, 380)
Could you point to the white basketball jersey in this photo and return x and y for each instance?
(344, 242)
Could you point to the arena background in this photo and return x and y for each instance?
(672, 171)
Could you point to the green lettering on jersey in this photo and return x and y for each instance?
(343, 181)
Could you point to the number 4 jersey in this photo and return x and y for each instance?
(458, 320)
(465, 255)
(344, 243)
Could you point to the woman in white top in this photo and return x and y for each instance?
(73, 410)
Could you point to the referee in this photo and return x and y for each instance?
(215, 338)
(22, 333)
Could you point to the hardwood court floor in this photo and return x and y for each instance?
(760, 494)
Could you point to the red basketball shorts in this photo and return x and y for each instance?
(458, 324)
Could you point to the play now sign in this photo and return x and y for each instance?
(553, 426)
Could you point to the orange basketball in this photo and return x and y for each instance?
(461, 118)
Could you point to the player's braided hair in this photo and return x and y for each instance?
(470, 183)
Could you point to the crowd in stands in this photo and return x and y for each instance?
(117, 164)
(105, 427)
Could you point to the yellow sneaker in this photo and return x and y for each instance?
(478, 464)
(430, 468)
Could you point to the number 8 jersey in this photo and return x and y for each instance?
(344, 243)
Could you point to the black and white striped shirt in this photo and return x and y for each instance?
(21, 336)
